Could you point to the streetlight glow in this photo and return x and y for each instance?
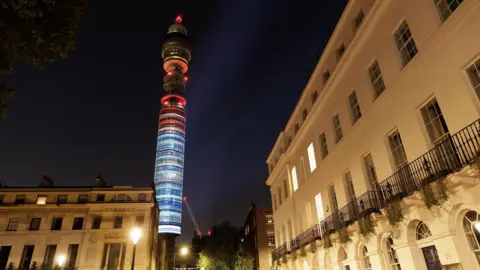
(183, 251)
(61, 260)
(477, 226)
(135, 235)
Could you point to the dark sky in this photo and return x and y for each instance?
(97, 111)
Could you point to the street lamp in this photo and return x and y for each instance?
(61, 260)
(135, 235)
(477, 225)
(183, 252)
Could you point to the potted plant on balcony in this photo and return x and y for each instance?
(343, 235)
(394, 212)
(365, 225)
(327, 241)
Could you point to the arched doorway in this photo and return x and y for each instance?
(471, 226)
(430, 252)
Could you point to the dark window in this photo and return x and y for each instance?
(82, 198)
(405, 43)
(323, 145)
(72, 256)
(376, 79)
(296, 128)
(57, 224)
(142, 197)
(434, 122)
(474, 73)
(447, 7)
(354, 107)
(13, 224)
(326, 76)
(337, 126)
(304, 114)
(4, 254)
(340, 51)
(62, 199)
(314, 96)
(139, 220)
(100, 198)
(1, 199)
(97, 220)
(77, 223)
(26, 257)
(35, 224)
(20, 199)
(49, 258)
(118, 223)
(358, 20)
(113, 256)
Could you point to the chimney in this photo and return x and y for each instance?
(46, 182)
(99, 181)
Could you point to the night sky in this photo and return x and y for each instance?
(97, 111)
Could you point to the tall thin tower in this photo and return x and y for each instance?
(171, 129)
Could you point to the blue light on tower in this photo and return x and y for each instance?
(169, 159)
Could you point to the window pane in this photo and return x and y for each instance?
(311, 157)
(294, 179)
(405, 43)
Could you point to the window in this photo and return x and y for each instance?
(35, 224)
(42, 199)
(326, 76)
(20, 199)
(100, 198)
(337, 127)
(139, 220)
(405, 43)
(392, 255)
(397, 150)
(113, 256)
(314, 96)
(370, 168)
(82, 198)
(333, 198)
(49, 258)
(474, 74)
(296, 128)
(72, 256)
(142, 197)
(269, 219)
(1, 198)
(294, 179)
(289, 141)
(358, 20)
(304, 114)
(62, 199)
(279, 196)
(285, 187)
(340, 51)
(97, 221)
(367, 265)
(354, 107)
(117, 223)
(422, 231)
(311, 157)
(323, 145)
(77, 223)
(434, 122)
(376, 79)
(13, 224)
(470, 223)
(349, 186)
(302, 164)
(26, 258)
(447, 7)
(271, 238)
(56, 224)
(121, 198)
(319, 205)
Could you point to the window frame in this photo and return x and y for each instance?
(323, 145)
(12, 225)
(443, 16)
(376, 79)
(312, 161)
(75, 228)
(31, 228)
(56, 220)
(337, 128)
(403, 37)
(118, 222)
(358, 20)
(60, 199)
(354, 105)
(20, 200)
(475, 77)
(294, 178)
(468, 224)
(95, 220)
(142, 197)
(391, 253)
(370, 171)
(82, 198)
(42, 196)
(340, 51)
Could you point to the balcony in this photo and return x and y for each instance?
(451, 155)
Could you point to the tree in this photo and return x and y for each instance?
(243, 261)
(36, 31)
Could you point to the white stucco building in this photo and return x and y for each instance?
(377, 167)
(83, 227)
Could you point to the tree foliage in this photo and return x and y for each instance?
(36, 31)
(223, 250)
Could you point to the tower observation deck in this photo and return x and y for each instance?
(169, 161)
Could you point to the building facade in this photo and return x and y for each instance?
(259, 239)
(377, 167)
(83, 227)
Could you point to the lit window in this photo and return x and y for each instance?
(42, 199)
(405, 43)
(311, 157)
(271, 238)
(337, 126)
(323, 145)
(269, 219)
(319, 205)
(294, 179)
(447, 7)
(376, 79)
(358, 20)
(474, 74)
(354, 107)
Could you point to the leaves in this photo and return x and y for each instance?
(394, 213)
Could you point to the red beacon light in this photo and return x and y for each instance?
(184, 198)
(178, 19)
(169, 73)
(186, 78)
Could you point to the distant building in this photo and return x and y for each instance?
(259, 238)
(86, 227)
(378, 166)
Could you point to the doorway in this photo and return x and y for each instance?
(431, 258)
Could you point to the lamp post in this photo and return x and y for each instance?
(183, 252)
(135, 235)
(61, 260)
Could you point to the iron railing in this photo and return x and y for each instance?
(448, 156)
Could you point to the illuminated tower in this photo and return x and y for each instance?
(171, 129)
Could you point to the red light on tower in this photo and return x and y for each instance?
(186, 78)
(209, 232)
(178, 19)
(169, 73)
(184, 198)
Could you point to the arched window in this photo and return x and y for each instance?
(470, 222)
(367, 265)
(422, 231)
(342, 254)
(392, 255)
